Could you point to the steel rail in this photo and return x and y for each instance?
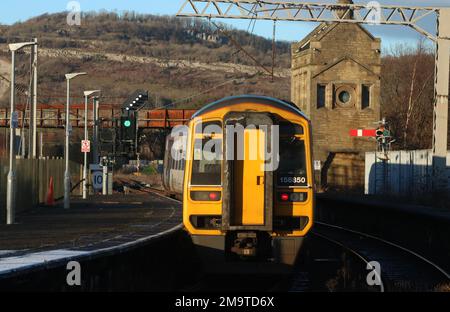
(391, 244)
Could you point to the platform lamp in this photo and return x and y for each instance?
(86, 96)
(13, 124)
(68, 130)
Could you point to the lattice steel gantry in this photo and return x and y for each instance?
(371, 13)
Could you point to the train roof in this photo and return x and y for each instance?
(257, 99)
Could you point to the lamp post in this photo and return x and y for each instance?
(66, 153)
(32, 137)
(34, 105)
(86, 96)
(10, 189)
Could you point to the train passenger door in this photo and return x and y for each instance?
(247, 188)
(248, 179)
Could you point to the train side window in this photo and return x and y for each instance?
(207, 162)
(209, 127)
(291, 129)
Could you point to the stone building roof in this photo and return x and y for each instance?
(345, 58)
(323, 29)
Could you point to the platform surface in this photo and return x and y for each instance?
(98, 223)
(385, 202)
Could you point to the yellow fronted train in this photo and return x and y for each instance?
(246, 178)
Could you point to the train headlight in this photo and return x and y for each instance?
(297, 197)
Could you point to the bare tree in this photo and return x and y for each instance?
(407, 94)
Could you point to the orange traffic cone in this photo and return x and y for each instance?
(50, 195)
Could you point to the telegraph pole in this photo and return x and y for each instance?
(95, 135)
(440, 123)
(32, 131)
(33, 118)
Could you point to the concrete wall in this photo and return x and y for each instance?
(405, 172)
(345, 172)
(33, 177)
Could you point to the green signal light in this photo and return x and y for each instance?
(127, 123)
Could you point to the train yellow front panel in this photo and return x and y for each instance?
(249, 179)
(249, 189)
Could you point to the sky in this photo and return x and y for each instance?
(16, 11)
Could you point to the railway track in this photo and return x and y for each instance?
(141, 187)
(401, 269)
(216, 283)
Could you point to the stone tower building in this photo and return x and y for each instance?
(336, 82)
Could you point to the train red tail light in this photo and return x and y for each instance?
(213, 196)
(205, 196)
(293, 197)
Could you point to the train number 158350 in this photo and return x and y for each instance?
(292, 180)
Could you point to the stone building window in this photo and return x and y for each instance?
(345, 96)
(365, 96)
(321, 95)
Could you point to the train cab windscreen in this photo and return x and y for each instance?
(207, 162)
(292, 167)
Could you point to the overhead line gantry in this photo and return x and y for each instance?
(371, 13)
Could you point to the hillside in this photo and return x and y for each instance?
(173, 58)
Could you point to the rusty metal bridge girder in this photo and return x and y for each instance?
(55, 118)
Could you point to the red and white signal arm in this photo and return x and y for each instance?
(85, 146)
(363, 132)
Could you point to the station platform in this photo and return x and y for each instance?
(390, 203)
(97, 224)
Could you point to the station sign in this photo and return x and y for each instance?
(97, 176)
(317, 165)
(85, 146)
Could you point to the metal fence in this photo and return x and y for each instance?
(33, 178)
(404, 172)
